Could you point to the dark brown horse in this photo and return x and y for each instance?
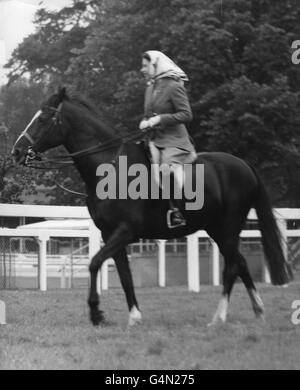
(231, 188)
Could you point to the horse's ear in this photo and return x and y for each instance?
(62, 94)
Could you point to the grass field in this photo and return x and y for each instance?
(51, 331)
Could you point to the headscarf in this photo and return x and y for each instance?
(165, 67)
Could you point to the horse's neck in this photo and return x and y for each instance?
(85, 130)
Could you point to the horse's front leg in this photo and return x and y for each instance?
(119, 239)
(125, 275)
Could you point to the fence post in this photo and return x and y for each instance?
(2, 313)
(161, 263)
(215, 264)
(94, 247)
(63, 276)
(42, 240)
(193, 270)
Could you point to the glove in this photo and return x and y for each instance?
(153, 121)
(144, 124)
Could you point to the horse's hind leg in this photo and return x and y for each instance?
(257, 304)
(230, 273)
(226, 235)
(234, 265)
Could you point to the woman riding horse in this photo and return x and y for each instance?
(167, 106)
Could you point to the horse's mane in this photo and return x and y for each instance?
(100, 115)
(75, 98)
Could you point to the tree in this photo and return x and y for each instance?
(49, 50)
(259, 123)
(243, 86)
(18, 103)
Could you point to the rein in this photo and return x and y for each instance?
(113, 161)
(65, 159)
(102, 146)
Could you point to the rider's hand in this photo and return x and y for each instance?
(144, 124)
(154, 121)
(151, 122)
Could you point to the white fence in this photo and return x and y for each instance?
(282, 216)
(193, 269)
(43, 235)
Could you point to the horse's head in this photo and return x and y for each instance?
(44, 130)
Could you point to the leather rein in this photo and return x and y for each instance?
(66, 158)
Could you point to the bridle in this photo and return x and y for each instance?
(66, 158)
(31, 154)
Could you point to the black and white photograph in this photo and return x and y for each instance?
(149, 187)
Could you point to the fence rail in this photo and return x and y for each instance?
(193, 268)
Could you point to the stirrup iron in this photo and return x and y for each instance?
(169, 219)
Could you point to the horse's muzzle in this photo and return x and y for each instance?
(17, 155)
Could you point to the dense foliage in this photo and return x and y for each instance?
(244, 88)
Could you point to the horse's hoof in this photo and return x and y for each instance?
(214, 324)
(217, 321)
(97, 317)
(133, 324)
(135, 317)
(260, 313)
(134, 321)
(260, 317)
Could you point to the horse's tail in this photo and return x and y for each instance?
(280, 271)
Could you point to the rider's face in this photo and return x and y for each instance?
(147, 69)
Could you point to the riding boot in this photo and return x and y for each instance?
(174, 215)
